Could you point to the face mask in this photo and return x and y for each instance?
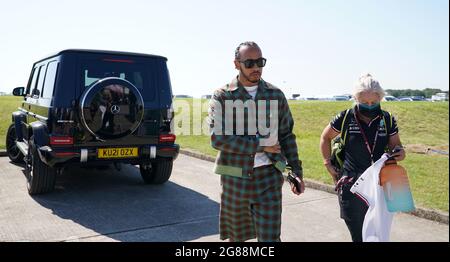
(369, 111)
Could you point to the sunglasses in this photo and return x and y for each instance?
(250, 63)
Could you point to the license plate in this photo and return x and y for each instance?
(122, 152)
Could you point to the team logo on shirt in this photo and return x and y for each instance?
(382, 128)
(353, 127)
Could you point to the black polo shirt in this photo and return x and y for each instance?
(357, 156)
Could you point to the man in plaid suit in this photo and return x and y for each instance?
(251, 156)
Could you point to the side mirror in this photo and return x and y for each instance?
(19, 91)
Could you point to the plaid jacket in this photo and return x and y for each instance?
(237, 151)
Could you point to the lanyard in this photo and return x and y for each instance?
(371, 150)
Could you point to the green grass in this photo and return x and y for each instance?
(8, 104)
(422, 123)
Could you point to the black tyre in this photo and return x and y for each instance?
(156, 173)
(14, 153)
(40, 177)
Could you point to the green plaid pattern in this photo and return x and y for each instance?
(251, 208)
(237, 152)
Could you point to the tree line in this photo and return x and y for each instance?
(427, 92)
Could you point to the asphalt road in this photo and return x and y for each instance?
(108, 205)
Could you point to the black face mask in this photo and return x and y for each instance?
(369, 111)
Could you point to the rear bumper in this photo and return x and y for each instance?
(60, 156)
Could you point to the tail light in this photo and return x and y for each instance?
(61, 140)
(167, 138)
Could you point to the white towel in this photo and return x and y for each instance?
(378, 220)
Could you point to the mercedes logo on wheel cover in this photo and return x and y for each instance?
(115, 109)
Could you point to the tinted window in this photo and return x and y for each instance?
(136, 73)
(49, 82)
(33, 80)
(38, 89)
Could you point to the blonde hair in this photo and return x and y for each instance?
(366, 83)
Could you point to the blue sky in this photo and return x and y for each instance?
(315, 48)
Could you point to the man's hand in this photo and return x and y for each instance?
(302, 186)
(275, 149)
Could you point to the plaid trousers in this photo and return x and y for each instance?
(251, 207)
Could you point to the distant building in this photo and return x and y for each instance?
(439, 97)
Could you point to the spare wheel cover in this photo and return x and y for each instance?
(111, 108)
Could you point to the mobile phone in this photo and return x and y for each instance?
(396, 150)
(291, 179)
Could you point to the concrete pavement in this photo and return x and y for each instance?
(108, 205)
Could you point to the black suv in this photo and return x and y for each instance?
(94, 108)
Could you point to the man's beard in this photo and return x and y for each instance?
(248, 78)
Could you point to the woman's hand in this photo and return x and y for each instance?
(398, 153)
(343, 181)
(396, 148)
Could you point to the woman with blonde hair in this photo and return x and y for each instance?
(368, 133)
